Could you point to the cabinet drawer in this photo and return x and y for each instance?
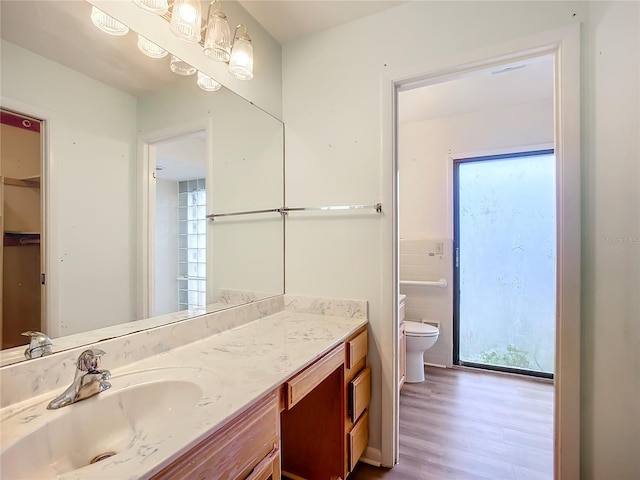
(269, 468)
(356, 349)
(235, 450)
(303, 383)
(358, 439)
(359, 394)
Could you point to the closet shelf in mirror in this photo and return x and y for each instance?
(31, 182)
(14, 239)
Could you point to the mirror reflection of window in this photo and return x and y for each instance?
(192, 244)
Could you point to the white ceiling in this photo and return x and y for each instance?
(182, 158)
(492, 88)
(68, 37)
(288, 20)
(61, 31)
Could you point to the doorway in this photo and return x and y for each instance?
(22, 219)
(176, 222)
(563, 46)
(505, 262)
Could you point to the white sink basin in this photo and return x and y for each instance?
(137, 409)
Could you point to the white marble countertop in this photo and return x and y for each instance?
(232, 369)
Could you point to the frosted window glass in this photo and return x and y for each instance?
(507, 241)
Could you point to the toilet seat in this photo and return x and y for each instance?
(417, 329)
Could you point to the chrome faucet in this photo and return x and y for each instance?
(88, 380)
(39, 344)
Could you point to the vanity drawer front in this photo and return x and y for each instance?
(269, 468)
(356, 349)
(358, 439)
(235, 450)
(303, 383)
(359, 394)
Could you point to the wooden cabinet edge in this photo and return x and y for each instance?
(207, 450)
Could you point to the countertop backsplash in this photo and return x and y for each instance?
(28, 379)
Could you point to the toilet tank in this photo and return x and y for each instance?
(401, 299)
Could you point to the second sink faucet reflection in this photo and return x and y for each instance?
(88, 381)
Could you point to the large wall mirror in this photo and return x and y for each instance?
(135, 157)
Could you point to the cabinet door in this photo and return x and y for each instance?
(359, 394)
(356, 350)
(358, 439)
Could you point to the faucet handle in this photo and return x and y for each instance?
(89, 360)
(39, 344)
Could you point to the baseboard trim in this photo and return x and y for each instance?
(434, 365)
(372, 456)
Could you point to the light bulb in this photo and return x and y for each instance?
(107, 23)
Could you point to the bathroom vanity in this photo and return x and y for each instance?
(285, 395)
(305, 427)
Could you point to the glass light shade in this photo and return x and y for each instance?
(186, 18)
(217, 40)
(107, 23)
(180, 67)
(241, 62)
(150, 49)
(159, 7)
(207, 83)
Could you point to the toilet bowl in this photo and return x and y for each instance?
(420, 337)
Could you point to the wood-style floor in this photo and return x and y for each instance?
(472, 425)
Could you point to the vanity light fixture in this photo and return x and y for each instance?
(107, 23)
(158, 7)
(218, 44)
(241, 62)
(181, 67)
(150, 49)
(206, 83)
(217, 40)
(186, 20)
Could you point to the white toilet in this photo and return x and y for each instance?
(420, 337)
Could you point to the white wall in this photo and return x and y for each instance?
(166, 293)
(91, 190)
(332, 109)
(425, 148)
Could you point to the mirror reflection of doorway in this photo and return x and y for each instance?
(21, 254)
(180, 224)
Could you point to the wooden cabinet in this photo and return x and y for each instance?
(358, 389)
(314, 427)
(246, 448)
(325, 429)
(312, 421)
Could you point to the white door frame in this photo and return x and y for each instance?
(564, 46)
(147, 203)
(49, 207)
